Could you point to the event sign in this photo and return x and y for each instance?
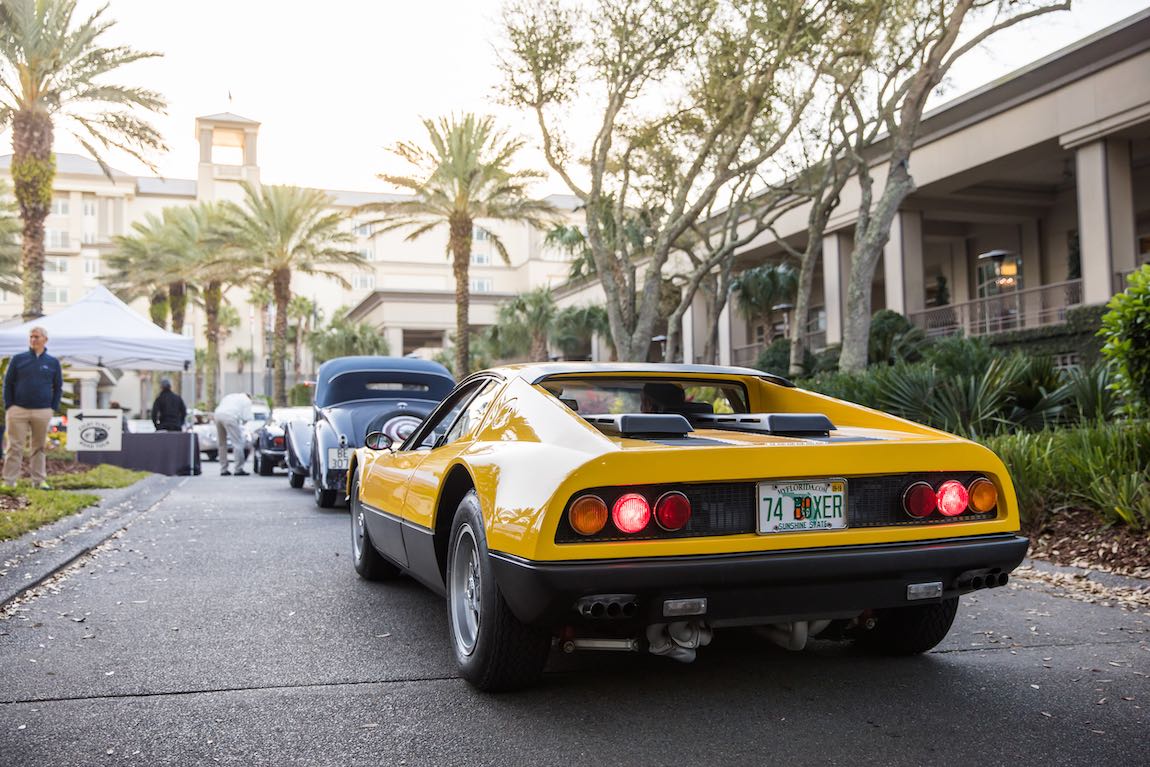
(94, 429)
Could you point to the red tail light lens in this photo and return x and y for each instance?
(952, 498)
(631, 513)
(919, 500)
(672, 511)
(278, 441)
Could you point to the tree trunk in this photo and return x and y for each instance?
(281, 292)
(178, 304)
(213, 297)
(810, 260)
(33, 172)
(460, 246)
(539, 347)
(864, 260)
(158, 309)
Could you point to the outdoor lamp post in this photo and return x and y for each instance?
(786, 310)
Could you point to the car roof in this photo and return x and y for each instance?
(403, 364)
(538, 372)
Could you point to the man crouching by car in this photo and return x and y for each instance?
(233, 411)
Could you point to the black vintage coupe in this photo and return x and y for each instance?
(268, 439)
(353, 397)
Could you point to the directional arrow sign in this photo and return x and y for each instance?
(95, 430)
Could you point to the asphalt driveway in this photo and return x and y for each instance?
(226, 625)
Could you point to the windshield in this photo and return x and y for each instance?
(648, 395)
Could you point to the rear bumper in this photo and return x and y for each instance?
(762, 587)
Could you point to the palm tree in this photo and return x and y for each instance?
(343, 338)
(760, 289)
(527, 321)
(575, 326)
(282, 230)
(52, 68)
(306, 314)
(9, 243)
(197, 232)
(140, 266)
(464, 176)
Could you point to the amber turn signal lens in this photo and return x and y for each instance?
(983, 495)
(588, 515)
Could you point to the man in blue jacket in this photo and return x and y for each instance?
(32, 389)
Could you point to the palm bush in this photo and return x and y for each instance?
(894, 339)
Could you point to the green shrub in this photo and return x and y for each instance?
(894, 339)
(1126, 330)
(1102, 467)
(959, 355)
(1090, 394)
(776, 358)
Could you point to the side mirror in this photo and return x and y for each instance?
(377, 440)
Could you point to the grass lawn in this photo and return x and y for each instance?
(25, 508)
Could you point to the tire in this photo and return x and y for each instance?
(910, 630)
(265, 467)
(296, 480)
(324, 498)
(211, 455)
(369, 563)
(494, 651)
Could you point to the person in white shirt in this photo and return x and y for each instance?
(231, 414)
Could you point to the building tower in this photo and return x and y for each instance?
(227, 156)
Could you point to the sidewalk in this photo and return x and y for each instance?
(35, 556)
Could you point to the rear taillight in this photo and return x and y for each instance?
(672, 511)
(278, 441)
(952, 498)
(588, 515)
(919, 500)
(631, 513)
(983, 495)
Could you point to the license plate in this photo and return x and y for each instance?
(802, 505)
(338, 457)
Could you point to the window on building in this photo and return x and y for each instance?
(88, 238)
(56, 238)
(481, 258)
(363, 230)
(91, 267)
(90, 207)
(362, 281)
(367, 254)
(59, 206)
(481, 285)
(55, 265)
(479, 234)
(54, 294)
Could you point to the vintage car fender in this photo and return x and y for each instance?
(297, 440)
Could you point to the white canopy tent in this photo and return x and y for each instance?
(100, 330)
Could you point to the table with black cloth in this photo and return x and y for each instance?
(164, 452)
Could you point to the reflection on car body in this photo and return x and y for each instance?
(634, 506)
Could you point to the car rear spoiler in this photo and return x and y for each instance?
(641, 424)
(777, 424)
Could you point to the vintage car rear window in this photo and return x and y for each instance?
(382, 384)
(649, 395)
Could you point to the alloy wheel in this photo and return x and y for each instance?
(466, 590)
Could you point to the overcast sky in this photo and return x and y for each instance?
(336, 82)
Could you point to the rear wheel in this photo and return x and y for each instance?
(324, 498)
(910, 630)
(296, 480)
(211, 455)
(263, 465)
(495, 652)
(368, 562)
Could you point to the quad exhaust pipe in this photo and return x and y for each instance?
(983, 581)
(608, 606)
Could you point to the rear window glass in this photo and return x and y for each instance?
(381, 384)
(648, 395)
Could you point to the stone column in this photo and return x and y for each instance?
(836, 266)
(687, 335)
(1105, 216)
(394, 338)
(725, 335)
(902, 264)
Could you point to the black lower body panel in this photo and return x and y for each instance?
(762, 587)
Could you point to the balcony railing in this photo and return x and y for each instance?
(1029, 308)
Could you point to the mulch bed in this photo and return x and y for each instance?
(56, 466)
(12, 502)
(1075, 537)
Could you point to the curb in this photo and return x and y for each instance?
(36, 556)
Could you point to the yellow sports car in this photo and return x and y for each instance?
(642, 507)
